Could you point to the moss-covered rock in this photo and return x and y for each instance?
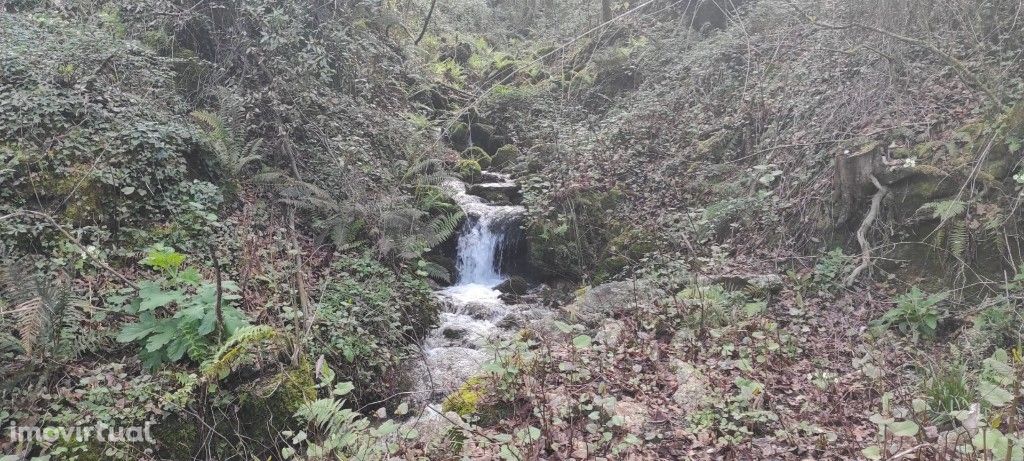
(505, 155)
(458, 135)
(479, 155)
(468, 170)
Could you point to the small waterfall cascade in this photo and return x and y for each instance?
(472, 309)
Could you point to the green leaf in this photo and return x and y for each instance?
(872, 452)
(904, 428)
(994, 394)
(134, 332)
(582, 341)
(343, 388)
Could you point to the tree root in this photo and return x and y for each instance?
(865, 246)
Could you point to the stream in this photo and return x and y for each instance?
(472, 310)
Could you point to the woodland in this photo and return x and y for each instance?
(511, 230)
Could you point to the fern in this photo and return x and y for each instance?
(227, 356)
(232, 155)
(37, 306)
(435, 271)
(945, 210)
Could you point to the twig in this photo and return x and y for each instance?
(865, 255)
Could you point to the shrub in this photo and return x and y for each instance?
(368, 317)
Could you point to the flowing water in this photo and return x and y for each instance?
(472, 309)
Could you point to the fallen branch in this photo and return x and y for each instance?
(865, 246)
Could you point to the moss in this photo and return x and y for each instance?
(505, 155)
(471, 399)
(468, 170)
(270, 405)
(458, 134)
(466, 400)
(177, 437)
(478, 154)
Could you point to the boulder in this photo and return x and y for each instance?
(610, 333)
(515, 285)
(634, 415)
(693, 390)
(479, 155)
(504, 156)
(602, 301)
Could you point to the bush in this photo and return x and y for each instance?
(367, 319)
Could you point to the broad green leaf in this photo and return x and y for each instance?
(343, 388)
(904, 428)
(994, 394)
(873, 452)
(582, 341)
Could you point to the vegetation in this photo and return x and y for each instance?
(757, 229)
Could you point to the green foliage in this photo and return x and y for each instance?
(947, 391)
(916, 313)
(220, 364)
(178, 313)
(102, 153)
(367, 319)
(831, 268)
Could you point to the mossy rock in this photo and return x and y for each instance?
(468, 170)
(458, 135)
(503, 157)
(477, 153)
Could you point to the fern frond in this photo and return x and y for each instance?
(227, 356)
(945, 209)
(436, 271)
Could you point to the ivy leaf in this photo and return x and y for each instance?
(343, 388)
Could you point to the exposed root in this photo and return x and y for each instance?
(865, 246)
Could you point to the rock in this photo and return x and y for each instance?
(634, 415)
(765, 282)
(458, 135)
(475, 153)
(600, 302)
(477, 310)
(504, 156)
(515, 285)
(610, 333)
(445, 369)
(511, 321)
(453, 333)
(501, 193)
(693, 387)
(468, 170)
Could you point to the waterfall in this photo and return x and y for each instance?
(480, 246)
